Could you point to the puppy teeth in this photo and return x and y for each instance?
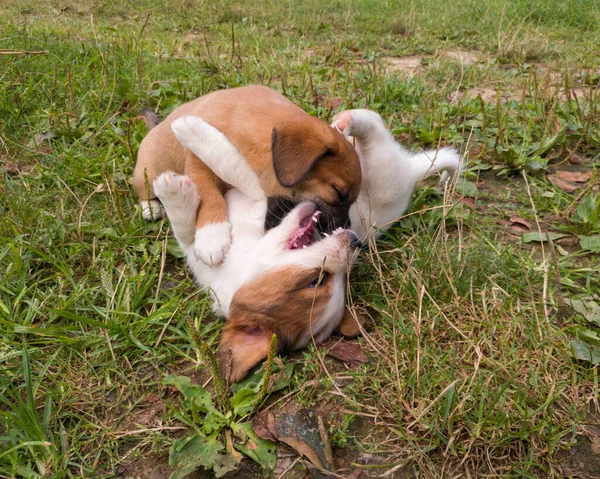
(314, 218)
(304, 247)
(326, 235)
(295, 245)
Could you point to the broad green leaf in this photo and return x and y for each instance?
(214, 421)
(254, 380)
(225, 463)
(590, 242)
(589, 309)
(585, 352)
(585, 209)
(260, 450)
(189, 453)
(196, 392)
(586, 335)
(243, 401)
(537, 236)
(466, 187)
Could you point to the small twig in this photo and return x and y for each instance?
(23, 52)
(151, 429)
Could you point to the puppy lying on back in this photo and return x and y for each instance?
(285, 155)
(290, 281)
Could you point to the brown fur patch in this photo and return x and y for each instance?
(279, 302)
(247, 116)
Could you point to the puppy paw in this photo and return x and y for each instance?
(189, 130)
(212, 242)
(175, 190)
(152, 210)
(357, 123)
(452, 161)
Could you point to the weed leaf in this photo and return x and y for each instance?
(191, 391)
(541, 236)
(188, 453)
(260, 450)
(214, 421)
(585, 352)
(591, 243)
(589, 309)
(243, 401)
(466, 188)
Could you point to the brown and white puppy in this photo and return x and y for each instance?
(289, 281)
(271, 149)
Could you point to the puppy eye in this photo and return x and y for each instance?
(319, 281)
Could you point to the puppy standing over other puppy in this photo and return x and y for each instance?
(263, 145)
(288, 281)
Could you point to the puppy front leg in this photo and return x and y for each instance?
(213, 231)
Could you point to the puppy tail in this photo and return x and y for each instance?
(445, 162)
(150, 117)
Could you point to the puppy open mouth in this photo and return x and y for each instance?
(304, 236)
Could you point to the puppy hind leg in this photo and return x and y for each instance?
(152, 210)
(180, 200)
(446, 162)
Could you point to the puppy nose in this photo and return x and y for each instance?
(355, 243)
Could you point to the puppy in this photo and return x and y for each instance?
(263, 145)
(288, 281)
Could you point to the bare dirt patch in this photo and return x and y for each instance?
(460, 56)
(407, 65)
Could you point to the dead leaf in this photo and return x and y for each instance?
(304, 432)
(470, 202)
(576, 159)
(350, 352)
(574, 176)
(562, 185)
(519, 224)
(260, 424)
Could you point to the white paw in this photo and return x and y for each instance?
(189, 130)
(152, 210)
(212, 242)
(173, 189)
(452, 159)
(357, 123)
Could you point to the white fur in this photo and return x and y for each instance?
(252, 252)
(390, 174)
(152, 210)
(212, 241)
(218, 153)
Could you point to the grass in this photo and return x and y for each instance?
(470, 362)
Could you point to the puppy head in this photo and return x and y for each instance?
(297, 294)
(316, 163)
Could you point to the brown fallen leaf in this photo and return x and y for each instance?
(470, 202)
(518, 223)
(576, 159)
(260, 424)
(304, 432)
(574, 176)
(350, 352)
(563, 185)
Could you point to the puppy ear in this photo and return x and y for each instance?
(296, 146)
(240, 350)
